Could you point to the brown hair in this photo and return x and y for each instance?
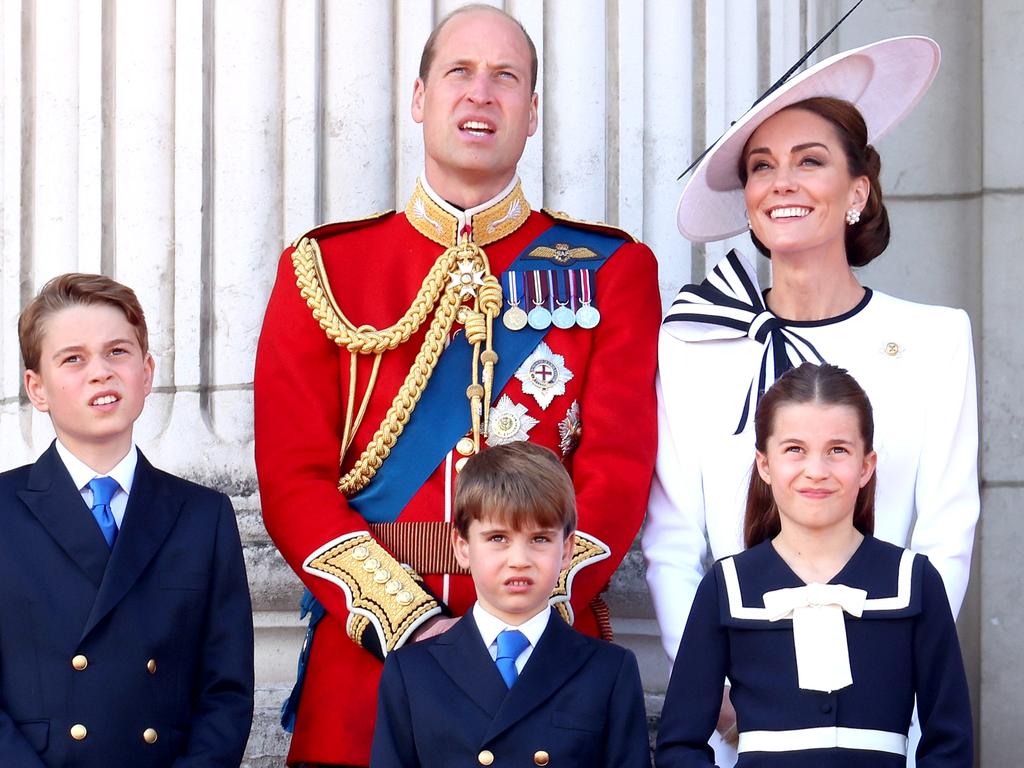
(430, 47)
(822, 385)
(71, 290)
(870, 236)
(518, 483)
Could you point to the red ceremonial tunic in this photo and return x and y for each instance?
(375, 269)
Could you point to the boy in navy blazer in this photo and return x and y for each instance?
(510, 683)
(125, 621)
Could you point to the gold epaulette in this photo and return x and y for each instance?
(382, 595)
(586, 551)
(594, 226)
(337, 227)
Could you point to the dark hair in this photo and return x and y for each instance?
(870, 236)
(519, 483)
(822, 385)
(71, 290)
(429, 48)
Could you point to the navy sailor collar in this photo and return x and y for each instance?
(890, 575)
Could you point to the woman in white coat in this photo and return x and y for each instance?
(800, 171)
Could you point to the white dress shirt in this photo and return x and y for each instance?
(490, 626)
(123, 472)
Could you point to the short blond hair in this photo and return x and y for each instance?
(518, 483)
(75, 289)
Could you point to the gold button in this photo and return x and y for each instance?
(149, 736)
(540, 757)
(79, 662)
(78, 732)
(151, 666)
(371, 565)
(486, 757)
(360, 553)
(393, 587)
(461, 463)
(465, 446)
(404, 598)
(382, 576)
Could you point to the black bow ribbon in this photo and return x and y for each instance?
(728, 305)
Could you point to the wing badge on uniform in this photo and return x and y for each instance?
(562, 254)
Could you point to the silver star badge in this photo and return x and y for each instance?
(509, 422)
(544, 375)
(467, 278)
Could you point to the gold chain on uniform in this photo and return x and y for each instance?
(440, 294)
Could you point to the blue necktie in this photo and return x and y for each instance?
(511, 643)
(103, 490)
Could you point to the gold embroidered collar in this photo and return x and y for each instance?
(497, 218)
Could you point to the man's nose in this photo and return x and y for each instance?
(480, 89)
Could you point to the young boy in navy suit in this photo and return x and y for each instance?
(510, 683)
(126, 633)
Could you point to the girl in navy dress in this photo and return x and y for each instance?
(825, 633)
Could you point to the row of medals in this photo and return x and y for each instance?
(541, 317)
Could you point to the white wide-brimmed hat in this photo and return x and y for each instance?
(884, 80)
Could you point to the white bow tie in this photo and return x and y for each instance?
(819, 630)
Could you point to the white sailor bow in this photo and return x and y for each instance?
(819, 630)
(728, 305)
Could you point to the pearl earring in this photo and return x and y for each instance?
(852, 216)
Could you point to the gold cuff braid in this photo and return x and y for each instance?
(380, 592)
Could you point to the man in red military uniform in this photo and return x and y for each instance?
(407, 341)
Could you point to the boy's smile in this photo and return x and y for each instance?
(93, 379)
(514, 571)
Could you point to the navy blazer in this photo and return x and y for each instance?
(141, 656)
(578, 702)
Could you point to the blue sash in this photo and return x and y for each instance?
(441, 416)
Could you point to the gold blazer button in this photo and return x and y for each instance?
(486, 757)
(540, 757)
(79, 662)
(78, 732)
(151, 666)
(149, 736)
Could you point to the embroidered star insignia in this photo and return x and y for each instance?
(509, 422)
(467, 278)
(544, 375)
